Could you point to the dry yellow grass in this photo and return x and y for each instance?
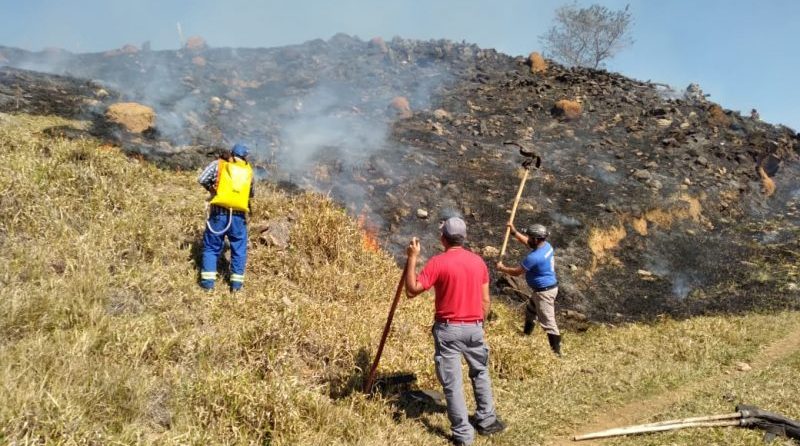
(537, 63)
(717, 116)
(601, 241)
(567, 109)
(767, 183)
(105, 337)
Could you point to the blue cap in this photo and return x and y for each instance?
(240, 150)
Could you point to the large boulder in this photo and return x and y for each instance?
(133, 117)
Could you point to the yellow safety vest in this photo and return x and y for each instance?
(233, 185)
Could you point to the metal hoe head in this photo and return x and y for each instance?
(532, 159)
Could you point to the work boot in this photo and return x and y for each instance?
(555, 343)
(528, 328)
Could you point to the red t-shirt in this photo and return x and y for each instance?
(457, 275)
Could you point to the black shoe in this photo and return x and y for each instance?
(555, 343)
(493, 428)
(528, 328)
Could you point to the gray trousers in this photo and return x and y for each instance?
(453, 341)
(542, 307)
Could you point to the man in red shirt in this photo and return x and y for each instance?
(461, 283)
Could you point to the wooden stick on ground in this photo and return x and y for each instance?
(725, 416)
(710, 421)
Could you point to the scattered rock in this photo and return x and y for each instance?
(575, 315)
(642, 175)
(442, 115)
(422, 213)
(276, 233)
(743, 367)
(490, 252)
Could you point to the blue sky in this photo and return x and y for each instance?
(744, 53)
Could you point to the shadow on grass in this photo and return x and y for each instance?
(398, 389)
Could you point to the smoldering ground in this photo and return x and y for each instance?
(638, 181)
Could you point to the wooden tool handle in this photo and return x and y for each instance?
(371, 377)
(514, 212)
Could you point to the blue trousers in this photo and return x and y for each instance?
(214, 243)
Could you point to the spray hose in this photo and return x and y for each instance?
(208, 221)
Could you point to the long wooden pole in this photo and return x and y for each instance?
(725, 416)
(734, 419)
(371, 377)
(514, 212)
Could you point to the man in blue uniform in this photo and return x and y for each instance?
(229, 180)
(540, 273)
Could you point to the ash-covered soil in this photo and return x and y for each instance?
(658, 201)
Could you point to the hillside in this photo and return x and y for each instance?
(105, 337)
(675, 223)
(630, 186)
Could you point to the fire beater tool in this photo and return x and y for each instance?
(531, 160)
(745, 416)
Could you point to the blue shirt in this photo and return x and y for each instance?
(540, 267)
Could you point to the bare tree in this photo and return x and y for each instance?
(587, 36)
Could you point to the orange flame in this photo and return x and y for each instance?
(369, 232)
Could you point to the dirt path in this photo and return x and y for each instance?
(638, 412)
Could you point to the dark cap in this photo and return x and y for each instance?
(537, 231)
(454, 226)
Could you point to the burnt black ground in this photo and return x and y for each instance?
(637, 147)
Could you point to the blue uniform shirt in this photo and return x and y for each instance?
(540, 267)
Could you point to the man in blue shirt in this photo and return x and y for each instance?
(540, 273)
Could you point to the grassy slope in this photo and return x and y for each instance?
(105, 337)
